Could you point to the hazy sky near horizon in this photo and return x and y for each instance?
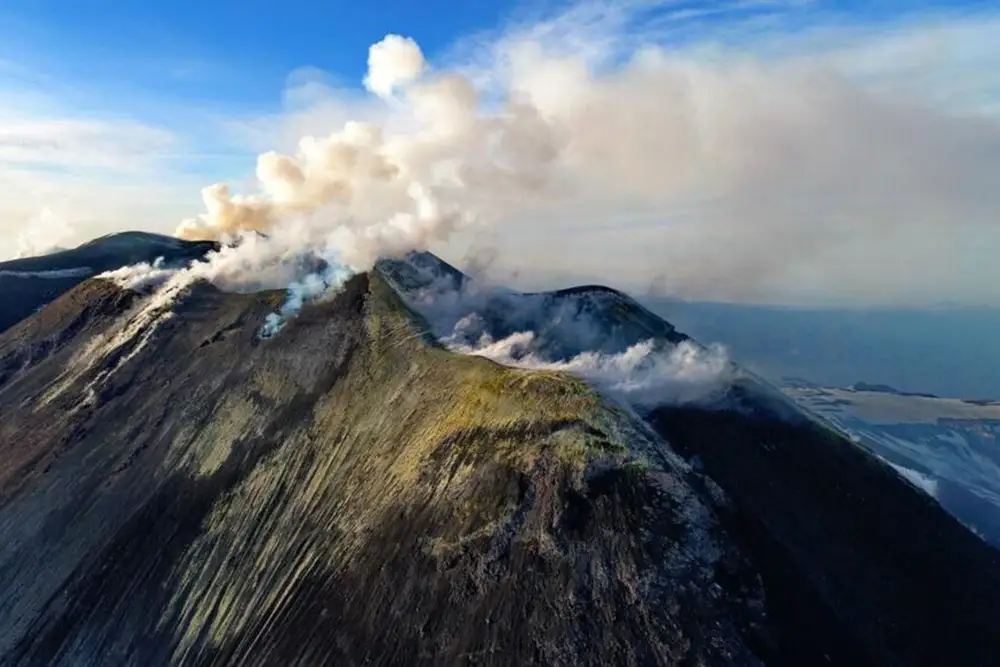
(789, 151)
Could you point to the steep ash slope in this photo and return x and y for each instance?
(176, 491)
(838, 533)
(859, 567)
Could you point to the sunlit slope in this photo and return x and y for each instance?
(345, 493)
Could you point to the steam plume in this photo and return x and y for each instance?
(707, 164)
(363, 194)
(393, 62)
(569, 333)
(644, 375)
(313, 287)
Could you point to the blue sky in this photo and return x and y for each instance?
(231, 53)
(117, 112)
(237, 53)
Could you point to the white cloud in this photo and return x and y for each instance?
(45, 233)
(80, 142)
(393, 62)
(93, 173)
(837, 161)
(948, 60)
(89, 202)
(748, 150)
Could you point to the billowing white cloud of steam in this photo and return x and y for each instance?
(644, 375)
(589, 334)
(719, 174)
(253, 263)
(393, 62)
(362, 193)
(142, 276)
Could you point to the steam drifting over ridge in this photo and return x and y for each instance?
(596, 334)
(693, 167)
(644, 375)
(750, 170)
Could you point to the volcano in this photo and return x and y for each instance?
(177, 490)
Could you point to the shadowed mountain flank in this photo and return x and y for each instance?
(176, 491)
(28, 284)
(841, 540)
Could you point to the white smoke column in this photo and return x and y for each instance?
(393, 62)
(365, 193)
(314, 287)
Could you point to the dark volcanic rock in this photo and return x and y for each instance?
(886, 389)
(859, 567)
(30, 283)
(844, 545)
(176, 491)
(565, 322)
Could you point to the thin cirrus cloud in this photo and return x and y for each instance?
(87, 143)
(70, 174)
(766, 151)
(87, 176)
